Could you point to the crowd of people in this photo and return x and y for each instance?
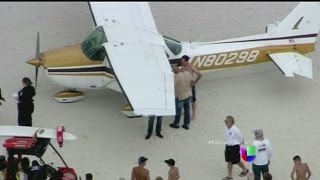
(262, 160)
(21, 170)
(185, 92)
(185, 80)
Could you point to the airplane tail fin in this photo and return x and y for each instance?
(303, 20)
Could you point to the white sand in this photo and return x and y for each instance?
(109, 144)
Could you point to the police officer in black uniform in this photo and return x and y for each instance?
(25, 103)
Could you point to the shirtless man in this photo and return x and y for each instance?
(139, 172)
(187, 66)
(301, 169)
(174, 171)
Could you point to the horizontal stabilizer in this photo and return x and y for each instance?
(291, 63)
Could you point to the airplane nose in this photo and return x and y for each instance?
(35, 62)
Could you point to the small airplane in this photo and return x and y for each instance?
(34, 141)
(126, 53)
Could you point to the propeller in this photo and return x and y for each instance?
(37, 61)
(37, 57)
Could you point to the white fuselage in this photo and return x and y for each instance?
(205, 56)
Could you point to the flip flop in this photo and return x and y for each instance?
(242, 174)
(227, 178)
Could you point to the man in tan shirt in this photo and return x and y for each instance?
(173, 173)
(182, 84)
(139, 172)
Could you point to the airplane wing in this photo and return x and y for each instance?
(291, 63)
(136, 54)
(126, 13)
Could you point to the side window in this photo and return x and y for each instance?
(174, 47)
(92, 45)
(100, 54)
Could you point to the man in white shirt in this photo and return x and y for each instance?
(232, 152)
(261, 163)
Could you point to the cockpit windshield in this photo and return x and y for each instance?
(92, 45)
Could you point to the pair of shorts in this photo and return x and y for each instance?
(193, 98)
(232, 154)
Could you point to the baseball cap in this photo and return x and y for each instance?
(170, 162)
(142, 159)
(258, 131)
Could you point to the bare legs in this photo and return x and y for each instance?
(240, 164)
(230, 169)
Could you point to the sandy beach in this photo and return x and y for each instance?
(109, 144)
